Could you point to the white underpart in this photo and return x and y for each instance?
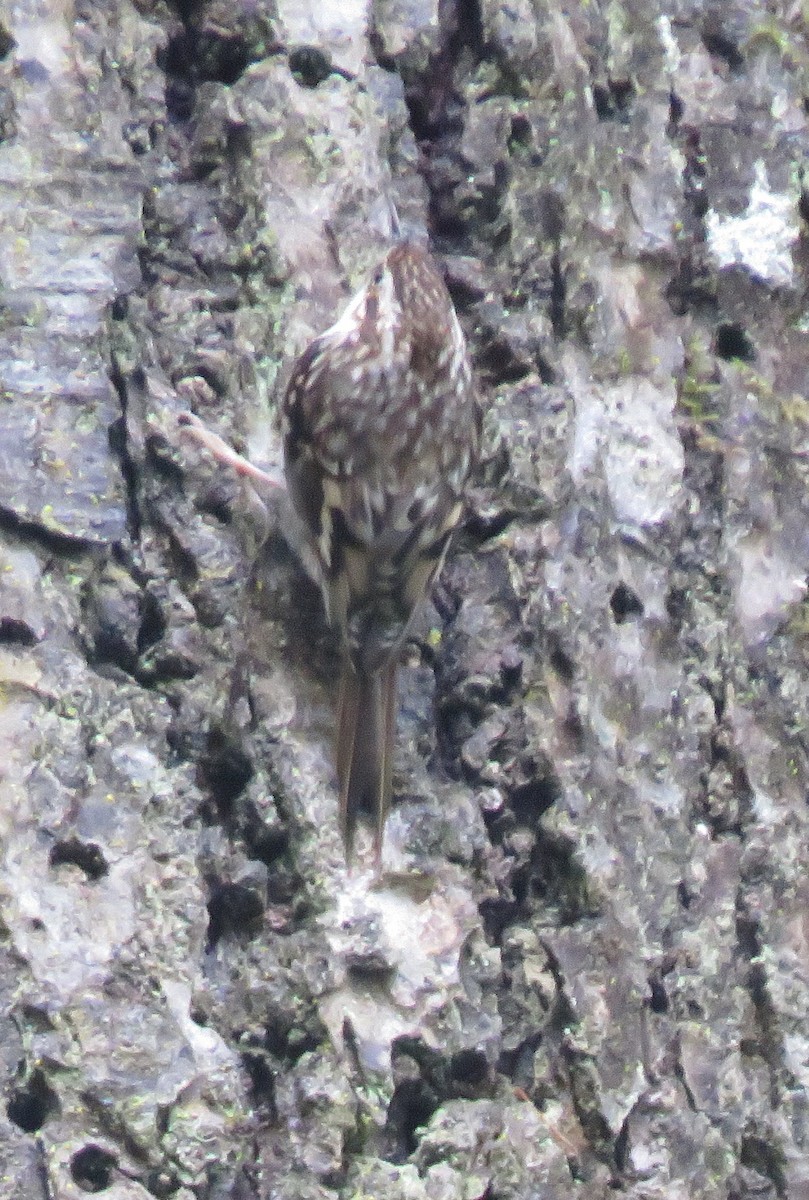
(347, 322)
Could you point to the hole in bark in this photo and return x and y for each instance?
(520, 135)
(721, 46)
(267, 842)
(30, 1107)
(217, 502)
(262, 1083)
(7, 42)
(177, 63)
(766, 1159)
(586, 1103)
(87, 856)
(625, 604)
(658, 996)
(469, 1068)
(186, 9)
(91, 1168)
(118, 439)
(677, 605)
(732, 342)
(496, 916)
(226, 770)
(676, 109)
(470, 24)
(530, 800)
(411, 1106)
(289, 1041)
(518, 1064)
(309, 66)
(152, 622)
(233, 908)
(178, 57)
(502, 362)
(700, 203)
(161, 1184)
(221, 59)
(179, 100)
(558, 300)
(601, 99)
(612, 101)
(562, 663)
(573, 725)
(556, 880)
(284, 889)
(748, 935)
(371, 973)
(16, 633)
(692, 289)
(622, 91)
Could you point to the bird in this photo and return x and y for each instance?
(381, 430)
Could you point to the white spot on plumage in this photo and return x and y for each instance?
(387, 304)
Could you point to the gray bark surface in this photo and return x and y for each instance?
(584, 968)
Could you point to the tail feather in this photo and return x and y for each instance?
(388, 714)
(365, 737)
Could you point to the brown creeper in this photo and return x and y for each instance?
(381, 430)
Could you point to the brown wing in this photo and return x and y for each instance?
(377, 494)
(380, 431)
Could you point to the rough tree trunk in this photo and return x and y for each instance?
(585, 965)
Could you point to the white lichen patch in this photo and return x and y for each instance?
(337, 27)
(769, 582)
(421, 938)
(761, 238)
(628, 429)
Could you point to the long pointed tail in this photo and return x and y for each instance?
(365, 737)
